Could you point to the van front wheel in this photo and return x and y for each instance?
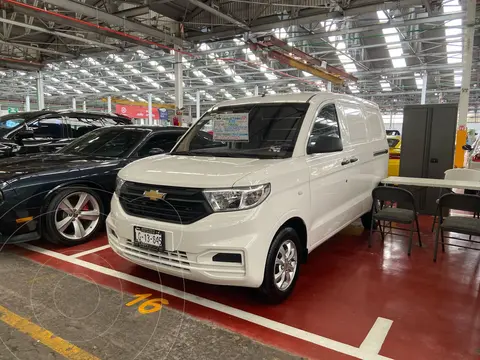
(282, 266)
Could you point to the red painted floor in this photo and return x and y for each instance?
(342, 290)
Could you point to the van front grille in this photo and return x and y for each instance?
(179, 205)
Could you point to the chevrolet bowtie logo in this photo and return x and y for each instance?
(154, 195)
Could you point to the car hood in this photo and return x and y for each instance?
(193, 171)
(22, 166)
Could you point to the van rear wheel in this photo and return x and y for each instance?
(282, 266)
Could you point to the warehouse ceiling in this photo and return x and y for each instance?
(92, 49)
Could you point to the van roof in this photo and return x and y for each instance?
(293, 98)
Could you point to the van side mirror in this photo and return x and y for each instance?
(325, 144)
(467, 147)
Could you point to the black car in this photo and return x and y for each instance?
(64, 196)
(47, 131)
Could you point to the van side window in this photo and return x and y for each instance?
(325, 130)
(326, 123)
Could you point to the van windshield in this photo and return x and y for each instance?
(258, 131)
(10, 122)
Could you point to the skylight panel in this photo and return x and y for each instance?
(457, 78)
(353, 88)
(418, 81)
(392, 39)
(338, 43)
(385, 85)
(453, 45)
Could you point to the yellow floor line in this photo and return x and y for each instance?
(46, 337)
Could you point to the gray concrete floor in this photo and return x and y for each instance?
(95, 319)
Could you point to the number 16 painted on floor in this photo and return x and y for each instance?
(149, 306)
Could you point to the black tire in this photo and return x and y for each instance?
(50, 232)
(367, 221)
(269, 291)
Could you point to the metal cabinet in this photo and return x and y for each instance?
(428, 147)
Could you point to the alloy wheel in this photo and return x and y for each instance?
(285, 265)
(77, 215)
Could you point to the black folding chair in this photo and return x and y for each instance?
(457, 224)
(394, 205)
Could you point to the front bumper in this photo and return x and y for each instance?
(190, 249)
(14, 228)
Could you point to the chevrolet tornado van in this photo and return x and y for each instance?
(253, 187)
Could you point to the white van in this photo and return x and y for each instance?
(244, 202)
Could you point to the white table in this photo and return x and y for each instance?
(434, 183)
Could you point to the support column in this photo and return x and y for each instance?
(198, 106)
(109, 104)
(178, 66)
(465, 90)
(424, 89)
(329, 86)
(150, 110)
(256, 90)
(84, 106)
(27, 103)
(40, 94)
(391, 119)
(74, 104)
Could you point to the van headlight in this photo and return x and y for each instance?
(118, 185)
(239, 198)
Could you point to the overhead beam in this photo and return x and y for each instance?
(60, 34)
(219, 14)
(390, 24)
(127, 25)
(132, 12)
(38, 49)
(19, 64)
(305, 17)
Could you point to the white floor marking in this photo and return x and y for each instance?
(359, 353)
(91, 251)
(376, 336)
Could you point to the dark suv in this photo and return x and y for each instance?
(48, 131)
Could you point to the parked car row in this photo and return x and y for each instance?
(241, 199)
(48, 131)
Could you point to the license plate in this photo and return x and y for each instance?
(150, 239)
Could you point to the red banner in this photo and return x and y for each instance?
(137, 112)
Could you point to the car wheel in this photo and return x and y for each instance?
(282, 266)
(73, 216)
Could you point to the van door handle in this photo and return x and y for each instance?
(345, 162)
(354, 159)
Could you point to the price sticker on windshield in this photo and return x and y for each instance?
(230, 127)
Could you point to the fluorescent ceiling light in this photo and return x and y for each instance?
(306, 74)
(170, 76)
(160, 68)
(113, 88)
(78, 91)
(135, 71)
